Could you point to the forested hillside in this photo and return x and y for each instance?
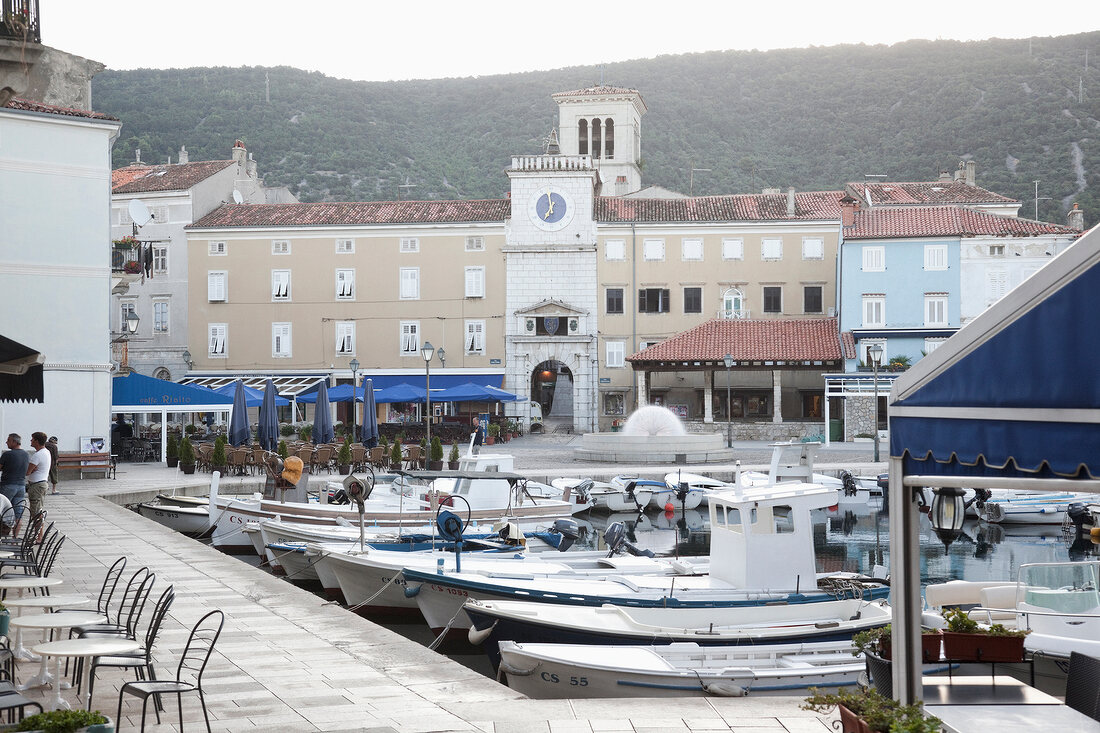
(810, 118)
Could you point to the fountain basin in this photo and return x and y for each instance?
(644, 449)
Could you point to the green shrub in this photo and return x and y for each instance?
(286, 430)
(453, 455)
(217, 458)
(881, 714)
(62, 721)
(173, 448)
(436, 453)
(343, 458)
(395, 453)
(187, 452)
(191, 429)
(305, 432)
(283, 450)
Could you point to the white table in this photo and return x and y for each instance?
(1012, 718)
(70, 600)
(99, 646)
(48, 622)
(21, 584)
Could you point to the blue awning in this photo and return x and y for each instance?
(135, 392)
(339, 393)
(252, 397)
(1012, 393)
(438, 381)
(470, 392)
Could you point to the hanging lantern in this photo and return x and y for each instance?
(948, 512)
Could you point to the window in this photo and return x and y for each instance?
(733, 304)
(280, 247)
(126, 307)
(614, 403)
(410, 283)
(865, 351)
(217, 337)
(874, 310)
(935, 309)
(773, 299)
(614, 300)
(931, 345)
(280, 340)
(614, 249)
(996, 250)
(653, 249)
(693, 300)
(345, 284)
(475, 337)
(217, 248)
(475, 244)
(616, 354)
(345, 338)
(874, 259)
(475, 282)
(345, 246)
(280, 284)
(653, 300)
(691, 249)
(410, 244)
(771, 249)
(160, 316)
(811, 298)
(160, 260)
(216, 286)
(813, 248)
(935, 257)
(410, 338)
(996, 285)
(733, 249)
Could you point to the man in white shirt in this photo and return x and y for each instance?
(38, 473)
(7, 518)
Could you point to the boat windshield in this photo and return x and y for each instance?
(1065, 587)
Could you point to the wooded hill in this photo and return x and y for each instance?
(809, 118)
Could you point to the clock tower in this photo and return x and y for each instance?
(605, 123)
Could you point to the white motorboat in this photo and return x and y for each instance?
(677, 670)
(606, 496)
(1030, 509)
(193, 521)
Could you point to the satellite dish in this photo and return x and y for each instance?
(139, 212)
(237, 198)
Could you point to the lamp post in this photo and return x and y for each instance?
(354, 366)
(131, 322)
(728, 361)
(875, 352)
(428, 351)
(187, 358)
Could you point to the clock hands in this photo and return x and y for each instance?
(550, 206)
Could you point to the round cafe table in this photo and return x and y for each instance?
(99, 646)
(22, 584)
(49, 622)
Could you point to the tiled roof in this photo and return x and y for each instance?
(173, 177)
(595, 91)
(802, 339)
(28, 106)
(918, 194)
(363, 212)
(848, 342)
(740, 207)
(943, 221)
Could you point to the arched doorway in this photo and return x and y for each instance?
(552, 388)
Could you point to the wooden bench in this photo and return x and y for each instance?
(103, 463)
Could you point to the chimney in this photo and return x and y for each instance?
(239, 152)
(790, 201)
(1076, 218)
(945, 176)
(252, 167)
(959, 171)
(848, 206)
(971, 171)
(183, 155)
(137, 156)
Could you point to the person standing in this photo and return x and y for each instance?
(38, 473)
(13, 477)
(51, 446)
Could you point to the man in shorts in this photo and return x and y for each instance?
(13, 477)
(38, 473)
(51, 446)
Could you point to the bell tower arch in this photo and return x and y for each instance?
(604, 123)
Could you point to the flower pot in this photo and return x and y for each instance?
(173, 461)
(187, 468)
(343, 468)
(490, 440)
(852, 723)
(435, 465)
(5, 620)
(453, 465)
(982, 647)
(929, 647)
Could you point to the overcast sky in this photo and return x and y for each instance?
(384, 40)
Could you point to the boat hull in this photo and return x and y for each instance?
(191, 521)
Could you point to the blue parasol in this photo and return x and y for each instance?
(370, 415)
(322, 417)
(239, 432)
(268, 431)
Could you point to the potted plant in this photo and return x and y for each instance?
(343, 458)
(132, 267)
(435, 455)
(217, 458)
(286, 430)
(877, 641)
(396, 456)
(452, 457)
(66, 721)
(283, 450)
(172, 452)
(191, 429)
(494, 433)
(867, 711)
(305, 432)
(966, 641)
(187, 456)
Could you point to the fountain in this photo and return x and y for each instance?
(653, 434)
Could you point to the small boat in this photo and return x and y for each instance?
(1030, 509)
(676, 670)
(609, 496)
(192, 521)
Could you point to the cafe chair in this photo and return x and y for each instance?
(880, 674)
(141, 660)
(10, 699)
(193, 661)
(1083, 684)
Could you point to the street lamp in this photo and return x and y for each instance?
(131, 322)
(948, 512)
(728, 360)
(354, 366)
(875, 352)
(187, 358)
(442, 357)
(428, 351)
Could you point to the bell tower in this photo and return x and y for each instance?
(605, 123)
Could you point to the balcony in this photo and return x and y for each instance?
(734, 313)
(20, 45)
(19, 21)
(125, 264)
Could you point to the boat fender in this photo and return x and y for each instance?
(516, 671)
(725, 689)
(1094, 534)
(477, 637)
(411, 591)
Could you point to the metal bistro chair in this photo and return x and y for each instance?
(106, 591)
(42, 563)
(141, 661)
(1083, 684)
(11, 700)
(30, 563)
(127, 618)
(193, 661)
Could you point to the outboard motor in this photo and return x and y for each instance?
(450, 529)
(615, 537)
(682, 491)
(569, 530)
(848, 481)
(340, 496)
(1079, 514)
(981, 496)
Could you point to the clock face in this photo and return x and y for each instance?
(551, 209)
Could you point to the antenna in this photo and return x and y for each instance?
(237, 198)
(1038, 198)
(691, 177)
(139, 212)
(406, 184)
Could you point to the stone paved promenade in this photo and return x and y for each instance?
(288, 661)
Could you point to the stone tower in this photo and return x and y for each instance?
(604, 123)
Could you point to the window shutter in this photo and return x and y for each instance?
(666, 300)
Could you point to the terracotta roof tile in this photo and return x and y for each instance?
(363, 212)
(28, 106)
(848, 342)
(595, 91)
(802, 339)
(173, 177)
(943, 221)
(739, 207)
(922, 194)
